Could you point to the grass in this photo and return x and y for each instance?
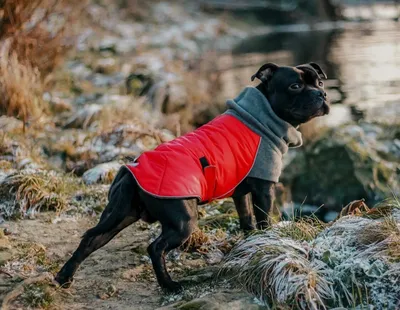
(384, 234)
(197, 240)
(275, 268)
(20, 88)
(301, 230)
(41, 191)
(286, 265)
(35, 254)
(36, 38)
(32, 44)
(130, 119)
(37, 295)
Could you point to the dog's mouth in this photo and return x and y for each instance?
(325, 108)
(321, 110)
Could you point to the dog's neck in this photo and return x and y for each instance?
(264, 90)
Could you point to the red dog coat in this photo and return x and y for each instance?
(207, 164)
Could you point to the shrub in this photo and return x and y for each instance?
(34, 38)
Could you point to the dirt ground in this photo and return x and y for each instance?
(118, 276)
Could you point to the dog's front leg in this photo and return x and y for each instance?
(243, 208)
(263, 196)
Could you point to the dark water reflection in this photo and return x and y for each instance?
(362, 62)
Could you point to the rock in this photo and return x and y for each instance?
(8, 124)
(152, 63)
(103, 80)
(225, 300)
(347, 163)
(6, 252)
(138, 84)
(109, 291)
(5, 256)
(88, 98)
(59, 105)
(84, 117)
(117, 45)
(4, 243)
(214, 257)
(79, 70)
(27, 163)
(386, 114)
(103, 173)
(106, 65)
(108, 44)
(126, 45)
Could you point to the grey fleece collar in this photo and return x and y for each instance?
(254, 110)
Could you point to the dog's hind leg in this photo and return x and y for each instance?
(87, 246)
(121, 211)
(178, 219)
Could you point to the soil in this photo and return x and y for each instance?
(120, 269)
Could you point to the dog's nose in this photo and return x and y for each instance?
(322, 94)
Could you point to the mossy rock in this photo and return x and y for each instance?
(225, 300)
(347, 163)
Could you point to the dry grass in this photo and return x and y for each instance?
(40, 31)
(20, 87)
(351, 262)
(32, 293)
(41, 191)
(383, 235)
(37, 296)
(382, 239)
(301, 230)
(277, 269)
(134, 112)
(33, 40)
(128, 122)
(196, 241)
(123, 112)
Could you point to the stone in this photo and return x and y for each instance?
(106, 65)
(79, 70)
(224, 300)
(8, 124)
(103, 80)
(126, 45)
(6, 252)
(27, 163)
(4, 243)
(84, 117)
(59, 105)
(347, 163)
(103, 173)
(5, 256)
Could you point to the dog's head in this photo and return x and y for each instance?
(296, 94)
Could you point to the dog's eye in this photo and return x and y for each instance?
(295, 86)
(321, 84)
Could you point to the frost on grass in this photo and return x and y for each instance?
(27, 192)
(353, 262)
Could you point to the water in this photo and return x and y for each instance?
(362, 61)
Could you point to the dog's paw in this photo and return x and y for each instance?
(65, 282)
(173, 288)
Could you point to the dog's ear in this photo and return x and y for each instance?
(319, 70)
(265, 72)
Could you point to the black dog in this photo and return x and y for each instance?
(295, 94)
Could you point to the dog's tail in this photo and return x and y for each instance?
(123, 198)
